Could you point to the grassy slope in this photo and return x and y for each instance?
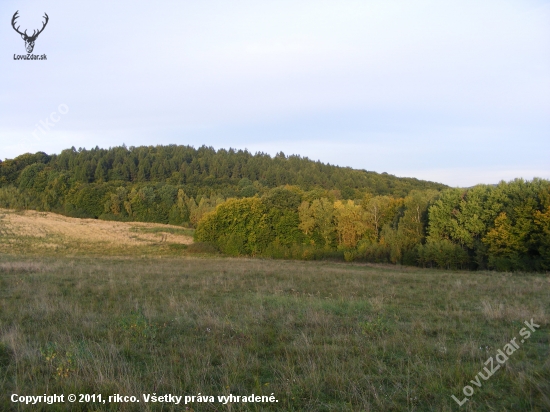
(321, 336)
(41, 233)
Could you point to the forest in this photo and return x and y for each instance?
(172, 184)
(291, 207)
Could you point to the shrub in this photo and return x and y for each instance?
(202, 247)
(443, 254)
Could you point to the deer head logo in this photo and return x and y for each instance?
(29, 40)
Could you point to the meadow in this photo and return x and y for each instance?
(143, 316)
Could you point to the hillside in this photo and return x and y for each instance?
(290, 206)
(174, 184)
(205, 171)
(49, 233)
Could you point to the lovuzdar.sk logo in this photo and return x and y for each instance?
(29, 40)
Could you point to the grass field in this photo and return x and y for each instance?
(319, 336)
(41, 233)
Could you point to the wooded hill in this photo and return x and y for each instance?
(291, 207)
(148, 183)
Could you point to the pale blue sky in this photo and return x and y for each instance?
(451, 91)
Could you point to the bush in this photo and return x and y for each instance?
(373, 252)
(203, 248)
(443, 254)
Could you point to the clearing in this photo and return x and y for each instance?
(49, 233)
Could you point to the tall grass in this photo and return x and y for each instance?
(320, 336)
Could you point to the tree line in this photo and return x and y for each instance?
(504, 227)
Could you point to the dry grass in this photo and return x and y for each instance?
(21, 267)
(50, 233)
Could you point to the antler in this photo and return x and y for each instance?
(43, 25)
(15, 17)
(34, 33)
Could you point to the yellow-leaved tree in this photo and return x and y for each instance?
(350, 223)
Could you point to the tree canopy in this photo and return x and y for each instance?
(289, 206)
(175, 184)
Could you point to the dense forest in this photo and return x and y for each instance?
(172, 184)
(291, 207)
(504, 227)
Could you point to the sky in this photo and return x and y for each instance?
(456, 92)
